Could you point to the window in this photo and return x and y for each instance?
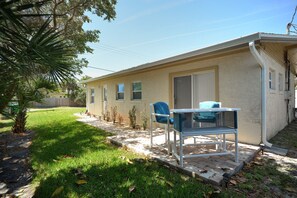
(280, 82)
(120, 91)
(105, 93)
(136, 91)
(92, 96)
(271, 79)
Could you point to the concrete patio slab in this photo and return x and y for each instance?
(211, 169)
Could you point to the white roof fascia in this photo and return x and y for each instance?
(210, 49)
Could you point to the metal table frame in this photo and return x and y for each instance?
(192, 132)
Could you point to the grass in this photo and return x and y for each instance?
(5, 125)
(287, 138)
(66, 152)
(264, 177)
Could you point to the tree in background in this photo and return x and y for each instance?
(76, 91)
(70, 16)
(35, 49)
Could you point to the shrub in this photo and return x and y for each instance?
(114, 113)
(120, 119)
(103, 116)
(132, 117)
(144, 119)
(108, 116)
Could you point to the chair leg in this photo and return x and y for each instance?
(224, 144)
(151, 132)
(217, 140)
(236, 147)
(181, 155)
(174, 142)
(166, 133)
(168, 140)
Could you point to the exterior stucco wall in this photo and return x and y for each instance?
(277, 115)
(238, 86)
(96, 107)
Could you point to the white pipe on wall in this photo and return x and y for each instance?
(259, 59)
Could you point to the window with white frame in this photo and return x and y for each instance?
(136, 91)
(120, 91)
(92, 96)
(271, 79)
(280, 82)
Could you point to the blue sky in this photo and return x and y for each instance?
(149, 30)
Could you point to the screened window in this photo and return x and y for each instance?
(280, 82)
(120, 91)
(92, 96)
(271, 79)
(136, 91)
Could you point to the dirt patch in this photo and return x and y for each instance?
(15, 170)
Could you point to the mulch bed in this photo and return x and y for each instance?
(15, 171)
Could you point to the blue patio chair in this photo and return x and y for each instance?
(209, 117)
(160, 114)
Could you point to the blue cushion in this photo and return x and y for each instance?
(162, 108)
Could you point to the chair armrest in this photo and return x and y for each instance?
(161, 115)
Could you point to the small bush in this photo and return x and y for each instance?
(103, 116)
(132, 117)
(144, 119)
(120, 119)
(108, 116)
(114, 113)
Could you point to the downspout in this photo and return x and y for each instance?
(259, 59)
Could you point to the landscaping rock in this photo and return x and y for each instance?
(15, 172)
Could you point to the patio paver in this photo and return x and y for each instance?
(211, 169)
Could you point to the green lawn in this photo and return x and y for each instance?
(5, 125)
(65, 152)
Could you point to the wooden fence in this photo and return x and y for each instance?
(55, 102)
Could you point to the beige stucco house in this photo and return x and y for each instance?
(255, 73)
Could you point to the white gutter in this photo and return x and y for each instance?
(259, 59)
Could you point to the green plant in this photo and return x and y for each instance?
(132, 117)
(120, 119)
(144, 119)
(103, 115)
(114, 113)
(108, 116)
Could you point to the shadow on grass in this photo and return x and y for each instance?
(140, 179)
(6, 125)
(287, 137)
(265, 177)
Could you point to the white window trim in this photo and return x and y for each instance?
(92, 88)
(136, 91)
(104, 93)
(272, 89)
(117, 86)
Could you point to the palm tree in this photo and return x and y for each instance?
(28, 56)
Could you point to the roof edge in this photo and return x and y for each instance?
(204, 51)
